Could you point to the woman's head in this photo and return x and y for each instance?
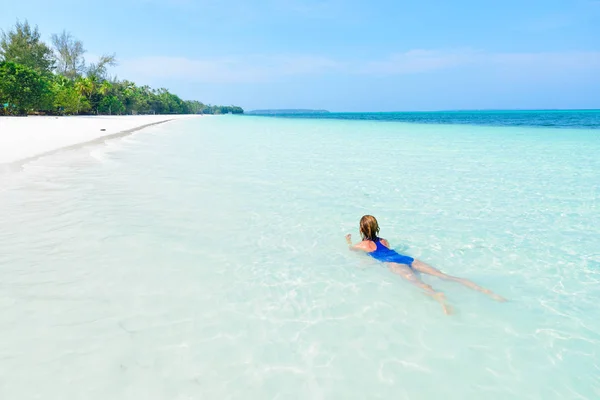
(369, 228)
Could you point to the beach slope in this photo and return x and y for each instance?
(23, 139)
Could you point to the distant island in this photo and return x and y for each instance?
(286, 111)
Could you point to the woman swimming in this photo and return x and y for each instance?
(405, 266)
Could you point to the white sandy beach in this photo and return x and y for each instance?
(26, 138)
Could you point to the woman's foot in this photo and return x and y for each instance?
(441, 297)
(495, 296)
(447, 309)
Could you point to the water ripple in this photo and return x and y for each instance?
(205, 259)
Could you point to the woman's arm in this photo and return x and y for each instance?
(357, 247)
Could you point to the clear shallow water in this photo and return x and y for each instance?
(206, 259)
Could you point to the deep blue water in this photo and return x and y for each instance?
(582, 119)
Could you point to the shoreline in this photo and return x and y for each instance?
(23, 140)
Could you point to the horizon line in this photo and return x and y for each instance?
(431, 110)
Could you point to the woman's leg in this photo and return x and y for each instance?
(407, 273)
(428, 269)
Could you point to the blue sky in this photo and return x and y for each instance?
(348, 55)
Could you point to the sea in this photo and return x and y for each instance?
(205, 259)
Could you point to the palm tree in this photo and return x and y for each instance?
(84, 88)
(128, 92)
(105, 88)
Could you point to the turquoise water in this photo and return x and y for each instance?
(206, 259)
(581, 119)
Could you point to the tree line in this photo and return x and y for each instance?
(37, 78)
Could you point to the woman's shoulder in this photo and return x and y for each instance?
(385, 242)
(367, 245)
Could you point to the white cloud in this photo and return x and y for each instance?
(572, 60)
(264, 68)
(418, 61)
(226, 70)
(534, 65)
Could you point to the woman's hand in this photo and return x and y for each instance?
(351, 246)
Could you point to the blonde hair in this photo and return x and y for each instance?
(369, 228)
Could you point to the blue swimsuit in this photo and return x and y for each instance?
(384, 254)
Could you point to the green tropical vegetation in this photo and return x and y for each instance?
(36, 78)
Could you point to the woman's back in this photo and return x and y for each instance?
(385, 254)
